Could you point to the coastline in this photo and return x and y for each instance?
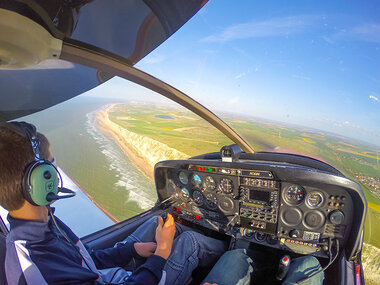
(102, 122)
(143, 151)
(108, 214)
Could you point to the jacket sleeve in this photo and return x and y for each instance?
(148, 273)
(118, 256)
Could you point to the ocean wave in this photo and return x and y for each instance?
(140, 188)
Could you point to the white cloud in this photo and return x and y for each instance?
(347, 123)
(369, 32)
(274, 27)
(374, 98)
(327, 39)
(240, 75)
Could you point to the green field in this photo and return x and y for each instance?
(184, 131)
(188, 133)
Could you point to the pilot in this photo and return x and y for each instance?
(41, 249)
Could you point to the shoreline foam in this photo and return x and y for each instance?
(143, 151)
(103, 123)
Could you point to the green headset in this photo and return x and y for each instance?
(40, 181)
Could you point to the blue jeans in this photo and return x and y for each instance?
(302, 267)
(189, 250)
(234, 267)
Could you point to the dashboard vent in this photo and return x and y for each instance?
(334, 230)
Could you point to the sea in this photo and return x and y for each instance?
(95, 163)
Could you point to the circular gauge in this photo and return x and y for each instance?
(314, 199)
(260, 237)
(226, 204)
(314, 220)
(294, 194)
(272, 239)
(198, 198)
(196, 180)
(248, 233)
(212, 201)
(337, 217)
(183, 178)
(226, 185)
(209, 184)
(291, 216)
(185, 195)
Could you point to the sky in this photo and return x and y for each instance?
(315, 64)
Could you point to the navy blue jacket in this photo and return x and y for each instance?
(37, 253)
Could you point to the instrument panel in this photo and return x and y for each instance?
(257, 203)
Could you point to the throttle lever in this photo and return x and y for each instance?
(283, 267)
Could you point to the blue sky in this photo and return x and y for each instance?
(315, 64)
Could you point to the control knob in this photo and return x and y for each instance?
(337, 217)
(295, 234)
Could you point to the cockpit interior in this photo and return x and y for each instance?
(270, 204)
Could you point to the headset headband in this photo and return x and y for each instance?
(27, 131)
(41, 178)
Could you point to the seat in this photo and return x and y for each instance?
(2, 260)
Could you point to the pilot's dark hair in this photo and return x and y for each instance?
(16, 154)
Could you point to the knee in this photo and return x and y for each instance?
(185, 245)
(308, 261)
(236, 254)
(189, 238)
(152, 220)
(239, 256)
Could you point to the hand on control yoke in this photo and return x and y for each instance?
(164, 236)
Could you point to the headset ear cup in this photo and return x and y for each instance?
(40, 180)
(26, 187)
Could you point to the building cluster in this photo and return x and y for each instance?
(372, 182)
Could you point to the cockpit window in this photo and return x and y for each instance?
(106, 143)
(301, 78)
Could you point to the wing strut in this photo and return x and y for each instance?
(102, 60)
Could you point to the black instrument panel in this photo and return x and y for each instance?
(258, 202)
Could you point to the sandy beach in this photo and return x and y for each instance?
(143, 151)
(105, 125)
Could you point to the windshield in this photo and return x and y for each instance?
(298, 78)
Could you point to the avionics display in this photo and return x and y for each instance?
(259, 195)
